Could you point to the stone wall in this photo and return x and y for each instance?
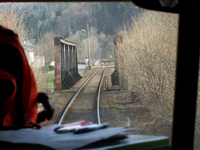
(119, 61)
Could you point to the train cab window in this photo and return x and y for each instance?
(65, 42)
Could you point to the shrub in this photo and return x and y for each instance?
(150, 45)
(51, 68)
(46, 69)
(42, 81)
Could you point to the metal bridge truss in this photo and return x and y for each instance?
(66, 66)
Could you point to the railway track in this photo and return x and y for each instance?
(84, 105)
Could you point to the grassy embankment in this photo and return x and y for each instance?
(50, 78)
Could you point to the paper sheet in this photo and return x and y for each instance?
(47, 137)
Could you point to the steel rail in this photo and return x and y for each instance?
(76, 94)
(98, 98)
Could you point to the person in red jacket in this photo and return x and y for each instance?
(18, 90)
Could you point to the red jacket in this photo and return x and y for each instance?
(18, 91)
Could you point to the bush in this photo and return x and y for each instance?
(150, 45)
(51, 68)
(42, 81)
(48, 68)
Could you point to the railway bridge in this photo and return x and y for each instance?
(66, 66)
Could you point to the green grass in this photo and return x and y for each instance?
(117, 113)
(50, 77)
(124, 90)
(50, 84)
(81, 74)
(63, 93)
(116, 110)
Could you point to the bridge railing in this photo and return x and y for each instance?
(66, 66)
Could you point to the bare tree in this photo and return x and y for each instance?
(150, 61)
(11, 16)
(47, 47)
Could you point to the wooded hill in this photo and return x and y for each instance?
(64, 19)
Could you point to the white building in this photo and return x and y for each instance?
(36, 61)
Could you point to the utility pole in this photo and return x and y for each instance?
(99, 52)
(88, 45)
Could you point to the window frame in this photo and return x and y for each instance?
(186, 83)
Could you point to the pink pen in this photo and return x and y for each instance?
(71, 124)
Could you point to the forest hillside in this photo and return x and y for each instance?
(64, 19)
(43, 21)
